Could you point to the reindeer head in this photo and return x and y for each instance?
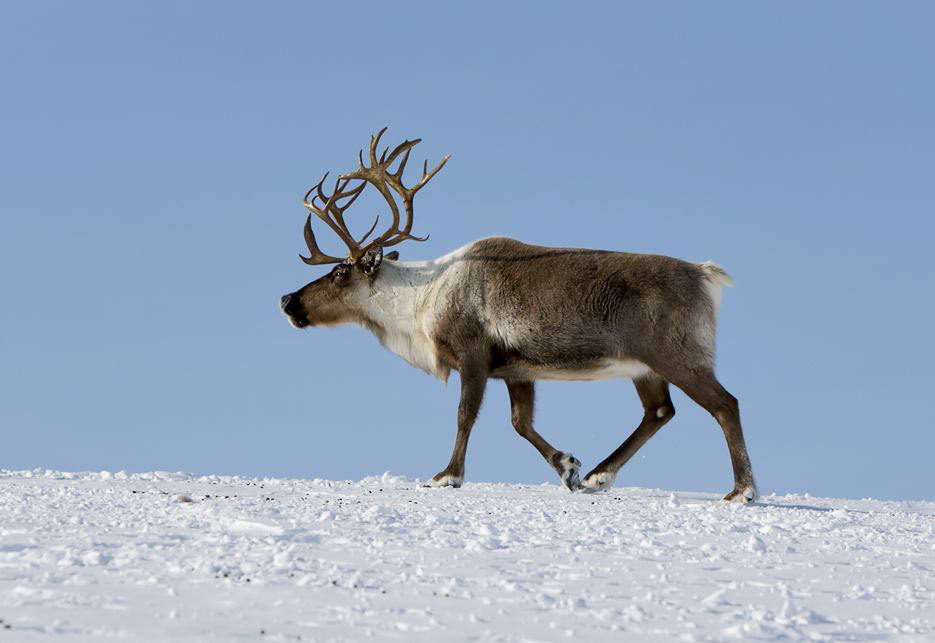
(331, 299)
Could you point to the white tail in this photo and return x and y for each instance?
(716, 274)
(715, 278)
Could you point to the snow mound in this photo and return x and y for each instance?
(152, 556)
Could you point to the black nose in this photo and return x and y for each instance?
(284, 301)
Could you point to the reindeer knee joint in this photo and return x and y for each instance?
(517, 421)
(729, 411)
(521, 427)
(666, 411)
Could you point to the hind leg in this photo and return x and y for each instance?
(522, 398)
(657, 410)
(703, 388)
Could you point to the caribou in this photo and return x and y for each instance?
(501, 309)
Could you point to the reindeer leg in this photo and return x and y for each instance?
(658, 409)
(522, 396)
(704, 389)
(473, 383)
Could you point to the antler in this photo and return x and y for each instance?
(332, 214)
(380, 177)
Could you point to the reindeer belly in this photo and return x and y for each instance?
(611, 369)
(599, 370)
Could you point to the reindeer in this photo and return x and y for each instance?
(498, 308)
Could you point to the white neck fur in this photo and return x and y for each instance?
(403, 302)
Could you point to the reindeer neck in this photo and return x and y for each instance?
(398, 309)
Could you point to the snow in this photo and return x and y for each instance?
(92, 556)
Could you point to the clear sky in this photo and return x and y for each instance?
(153, 158)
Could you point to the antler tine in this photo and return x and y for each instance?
(402, 164)
(353, 193)
(374, 141)
(310, 205)
(405, 146)
(316, 255)
(372, 228)
(400, 237)
(427, 176)
(329, 202)
(326, 200)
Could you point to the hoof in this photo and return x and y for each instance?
(743, 495)
(444, 479)
(595, 482)
(567, 465)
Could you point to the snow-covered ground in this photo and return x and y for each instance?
(90, 556)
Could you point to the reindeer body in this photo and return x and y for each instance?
(544, 313)
(498, 308)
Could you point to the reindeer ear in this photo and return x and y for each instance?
(371, 260)
(392, 256)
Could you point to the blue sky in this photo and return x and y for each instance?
(154, 156)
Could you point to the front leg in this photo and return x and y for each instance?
(473, 383)
(522, 398)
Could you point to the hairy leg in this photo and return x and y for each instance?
(705, 390)
(657, 410)
(473, 383)
(522, 400)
